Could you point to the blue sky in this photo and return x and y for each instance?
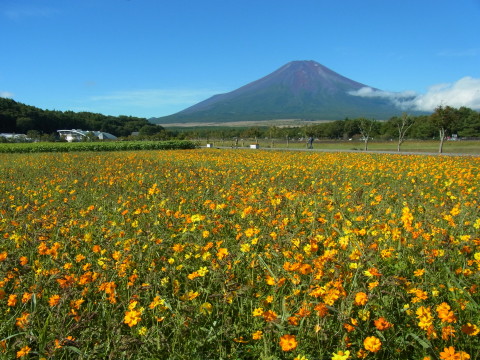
(151, 58)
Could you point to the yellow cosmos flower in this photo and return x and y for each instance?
(132, 317)
(206, 308)
(372, 344)
(257, 312)
(341, 355)
(257, 335)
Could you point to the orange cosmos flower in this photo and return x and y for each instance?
(445, 314)
(270, 315)
(305, 269)
(12, 300)
(361, 298)
(288, 342)
(75, 304)
(54, 300)
(26, 297)
(419, 272)
(382, 324)
(321, 309)
(23, 351)
(448, 332)
(449, 354)
(293, 320)
(22, 321)
(372, 344)
(221, 253)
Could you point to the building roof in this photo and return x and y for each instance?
(99, 134)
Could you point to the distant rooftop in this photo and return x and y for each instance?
(78, 135)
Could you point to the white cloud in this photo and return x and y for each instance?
(464, 92)
(401, 99)
(6, 94)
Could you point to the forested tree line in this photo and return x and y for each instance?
(463, 122)
(19, 118)
(445, 121)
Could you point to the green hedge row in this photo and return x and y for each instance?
(96, 146)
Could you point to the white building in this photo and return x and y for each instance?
(80, 135)
(14, 137)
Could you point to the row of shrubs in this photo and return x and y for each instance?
(96, 146)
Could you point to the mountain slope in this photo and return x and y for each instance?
(297, 90)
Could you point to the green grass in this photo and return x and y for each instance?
(428, 146)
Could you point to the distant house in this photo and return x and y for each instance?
(14, 137)
(81, 135)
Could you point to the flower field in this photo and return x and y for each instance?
(238, 254)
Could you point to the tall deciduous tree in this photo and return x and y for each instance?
(366, 127)
(404, 123)
(444, 119)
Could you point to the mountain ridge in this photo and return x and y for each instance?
(302, 89)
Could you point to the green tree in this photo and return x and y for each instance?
(90, 136)
(335, 129)
(423, 128)
(470, 123)
(444, 119)
(252, 132)
(350, 128)
(24, 124)
(34, 134)
(150, 130)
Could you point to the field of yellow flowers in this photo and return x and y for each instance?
(239, 254)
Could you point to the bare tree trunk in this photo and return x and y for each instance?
(442, 138)
(403, 125)
(366, 144)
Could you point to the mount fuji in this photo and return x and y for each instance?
(303, 90)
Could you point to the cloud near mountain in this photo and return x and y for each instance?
(464, 92)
